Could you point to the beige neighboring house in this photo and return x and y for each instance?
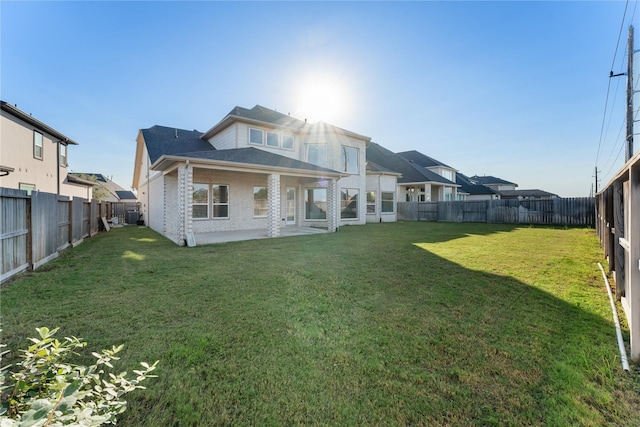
(35, 157)
(256, 169)
(113, 191)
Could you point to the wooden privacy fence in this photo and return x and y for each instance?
(618, 227)
(556, 211)
(35, 228)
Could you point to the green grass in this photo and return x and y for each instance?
(383, 324)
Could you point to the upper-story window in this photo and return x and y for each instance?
(273, 139)
(349, 159)
(256, 136)
(37, 145)
(287, 141)
(317, 154)
(447, 174)
(63, 154)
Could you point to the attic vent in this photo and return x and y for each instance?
(176, 133)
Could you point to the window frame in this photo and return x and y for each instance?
(251, 130)
(206, 187)
(307, 212)
(344, 159)
(382, 202)
(215, 204)
(36, 145)
(346, 202)
(63, 159)
(277, 135)
(371, 203)
(293, 141)
(31, 187)
(257, 209)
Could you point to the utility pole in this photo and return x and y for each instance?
(629, 144)
(596, 180)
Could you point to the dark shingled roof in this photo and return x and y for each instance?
(125, 195)
(422, 159)
(490, 180)
(526, 194)
(469, 187)
(267, 115)
(255, 156)
(165, 140)
(374, 167)
(411, 172)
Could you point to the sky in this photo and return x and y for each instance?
(517, 90)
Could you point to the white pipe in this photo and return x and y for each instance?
(623, 351)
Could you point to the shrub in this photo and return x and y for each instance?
(47, 390)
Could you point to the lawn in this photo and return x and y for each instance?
(383, 324)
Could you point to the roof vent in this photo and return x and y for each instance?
(176, 133)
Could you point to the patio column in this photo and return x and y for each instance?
(273, 201)
(332, 205)
(185, 203)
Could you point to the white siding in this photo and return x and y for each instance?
(226, 139)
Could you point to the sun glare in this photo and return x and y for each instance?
(322, 98)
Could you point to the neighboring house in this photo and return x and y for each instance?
(526, 194)
(256, 169)
(113, 192)
(507, 189)
(423, 179)
(381, 193)
(35, 157)
(497, 184)
(473, 191)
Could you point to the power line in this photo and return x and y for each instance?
(606, 103)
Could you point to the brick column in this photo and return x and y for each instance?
(333, 201)
(188, 185)
(273, 199)
(182, 203)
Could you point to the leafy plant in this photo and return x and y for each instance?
(47, 390)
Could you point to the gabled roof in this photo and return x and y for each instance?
(16, 112)
(248, 156)
(491, 180)
(116, 192)
(411, 172)
(422, 159)
(262, 116)
(161, 140)
(469, 187)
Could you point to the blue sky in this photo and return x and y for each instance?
(510, 89)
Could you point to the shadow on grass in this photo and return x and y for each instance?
(359, 327)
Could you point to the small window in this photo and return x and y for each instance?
(220, 199)
(255, 136)
(29, 188)
(287, 141)
(315, 203)
(200, 201)
(37, 145)
(349, 159)
(371, 202)
(349, 203)
(273, 139)
(387, 202)
(260, 202)
(63, 154)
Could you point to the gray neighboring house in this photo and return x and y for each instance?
(507, 189)
(421, 178)
(256, 169)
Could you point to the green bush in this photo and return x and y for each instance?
(47, 390)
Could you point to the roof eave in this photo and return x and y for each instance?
(165, 162)
(15, 111)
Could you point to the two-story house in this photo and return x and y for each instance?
(256, 169)
(35, 157)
